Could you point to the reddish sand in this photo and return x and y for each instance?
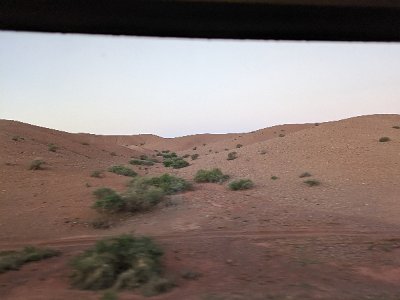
(279, 240)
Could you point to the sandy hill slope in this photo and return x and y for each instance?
(283, 222)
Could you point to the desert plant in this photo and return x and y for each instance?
(13, 260)
(274, 177)
(239, 146)
(195, 156)
(109, 295)
(108, 200)
(36, 164)
(305, 174)
(52, 148)
(232, 155)
(122, 170)
(167, 183)
(215, 175)
(241, 184)
(384, 139)
(186, 156)
(85, 143)
(194, 148)
(175, 162)
(17, 138)
(281, 135)
(312, 182)
(169, 155)
(97, 174)
(263, 152)
(120, 262)
(143, 157)
(396, 127)
(141, 162)
(113, 154)
(142, 198)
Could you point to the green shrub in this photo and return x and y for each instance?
(239, 146)
(13, 260)
(312, 182)
(142, 198)
(305, 174)
(141, 162)
(241, 184)
(108, 201)
(17, 138)
(121, 170)
(232, 155)
(120, 262)
(36, 164)
(195, 156)
(52, 148)
(175, 162)
(97, 174)
(214, 175)
(169, 155)
(109, 295)
(274, 177)
(167, 183)
(384, 139)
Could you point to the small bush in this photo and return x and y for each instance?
(169, 155)
(396, 127)
(121, 170)
(108, 200)
(312, 182)
(165, 151)
(13, 260)
(241, 184)
(143, 157)
(232, 155)
(274, 177)
(101, 224)
(263, 152)
(175, 162)
(140, 162)
(194, 148)
(305, 174)
(195, 156)
(239, 146)
(120, 262)
(17, 138)
(167, 183)
(36, 164)
(142, 198)
(384, 139)
(113, 154)
(97, 174)
(52, 148)
(281, 135)
(85, 143)
(214, 175)
(186, 156)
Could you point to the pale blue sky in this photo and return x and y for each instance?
(173, 87)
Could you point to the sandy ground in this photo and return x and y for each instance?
(280, 240)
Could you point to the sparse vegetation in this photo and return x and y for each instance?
(101, 224)
(13, 260)
(312, 182)
(241, 184)
(175, 162)
(194, 148)
(52, 148)
(239, 146)
(97, 174)
(195, 156)
(17, 138)
(214, 175)
(232, 155)
(140, 162)
(168, 154)
(122, 170)
(113, 154)
(396, 127)
(108, 200)
(274, 177)
(85, 143)
(36, 164)
(305, 174)
(167, 183)
(263, 152)
(123, 262)
(384, 139)
(281, 135)
(186, 156)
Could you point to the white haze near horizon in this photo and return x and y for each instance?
(174, 87)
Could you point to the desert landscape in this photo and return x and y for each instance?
(300, 211)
